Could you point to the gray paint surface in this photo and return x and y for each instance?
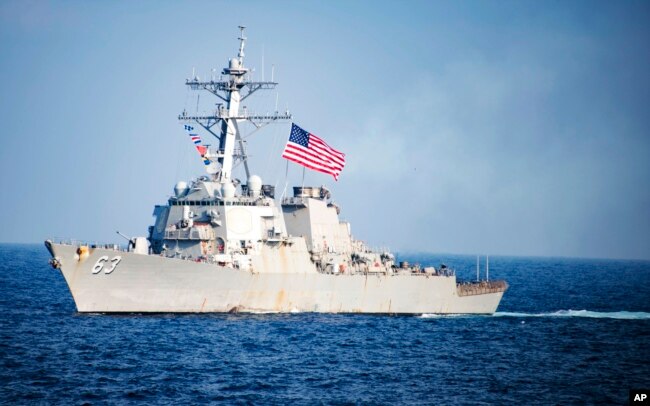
(151, 283)
(221, 245)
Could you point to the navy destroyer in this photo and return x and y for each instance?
(222, 245)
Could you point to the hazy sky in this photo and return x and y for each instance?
(497, 127)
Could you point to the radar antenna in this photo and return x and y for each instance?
(242, 42)
(233, 87)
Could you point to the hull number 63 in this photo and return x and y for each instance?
(103, 261)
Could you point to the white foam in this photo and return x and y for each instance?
(261, 312)
(560, 313)
(581, 313)
(439, 316)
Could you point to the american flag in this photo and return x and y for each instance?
(312, 152)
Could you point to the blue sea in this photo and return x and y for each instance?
(568, 331)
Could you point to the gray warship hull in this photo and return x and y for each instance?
(151, 283)
(222, 245)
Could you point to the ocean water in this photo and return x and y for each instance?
(568, 331)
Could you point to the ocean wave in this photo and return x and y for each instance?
(256, 311)
(447, 316)
(622, 315)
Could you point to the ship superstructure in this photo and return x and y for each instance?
(221, 245)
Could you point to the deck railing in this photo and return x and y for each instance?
(480, 288)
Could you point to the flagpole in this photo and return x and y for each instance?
(286, 173)
(286, 181)
(303, 177)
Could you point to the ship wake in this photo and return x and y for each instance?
(622, 315)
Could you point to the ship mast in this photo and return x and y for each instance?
(234, 86)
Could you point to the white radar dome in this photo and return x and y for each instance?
(228, 190)
(212, 168)
(255, 185)
(180, 189)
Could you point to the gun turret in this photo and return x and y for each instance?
(138, 245)
(129, 239)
